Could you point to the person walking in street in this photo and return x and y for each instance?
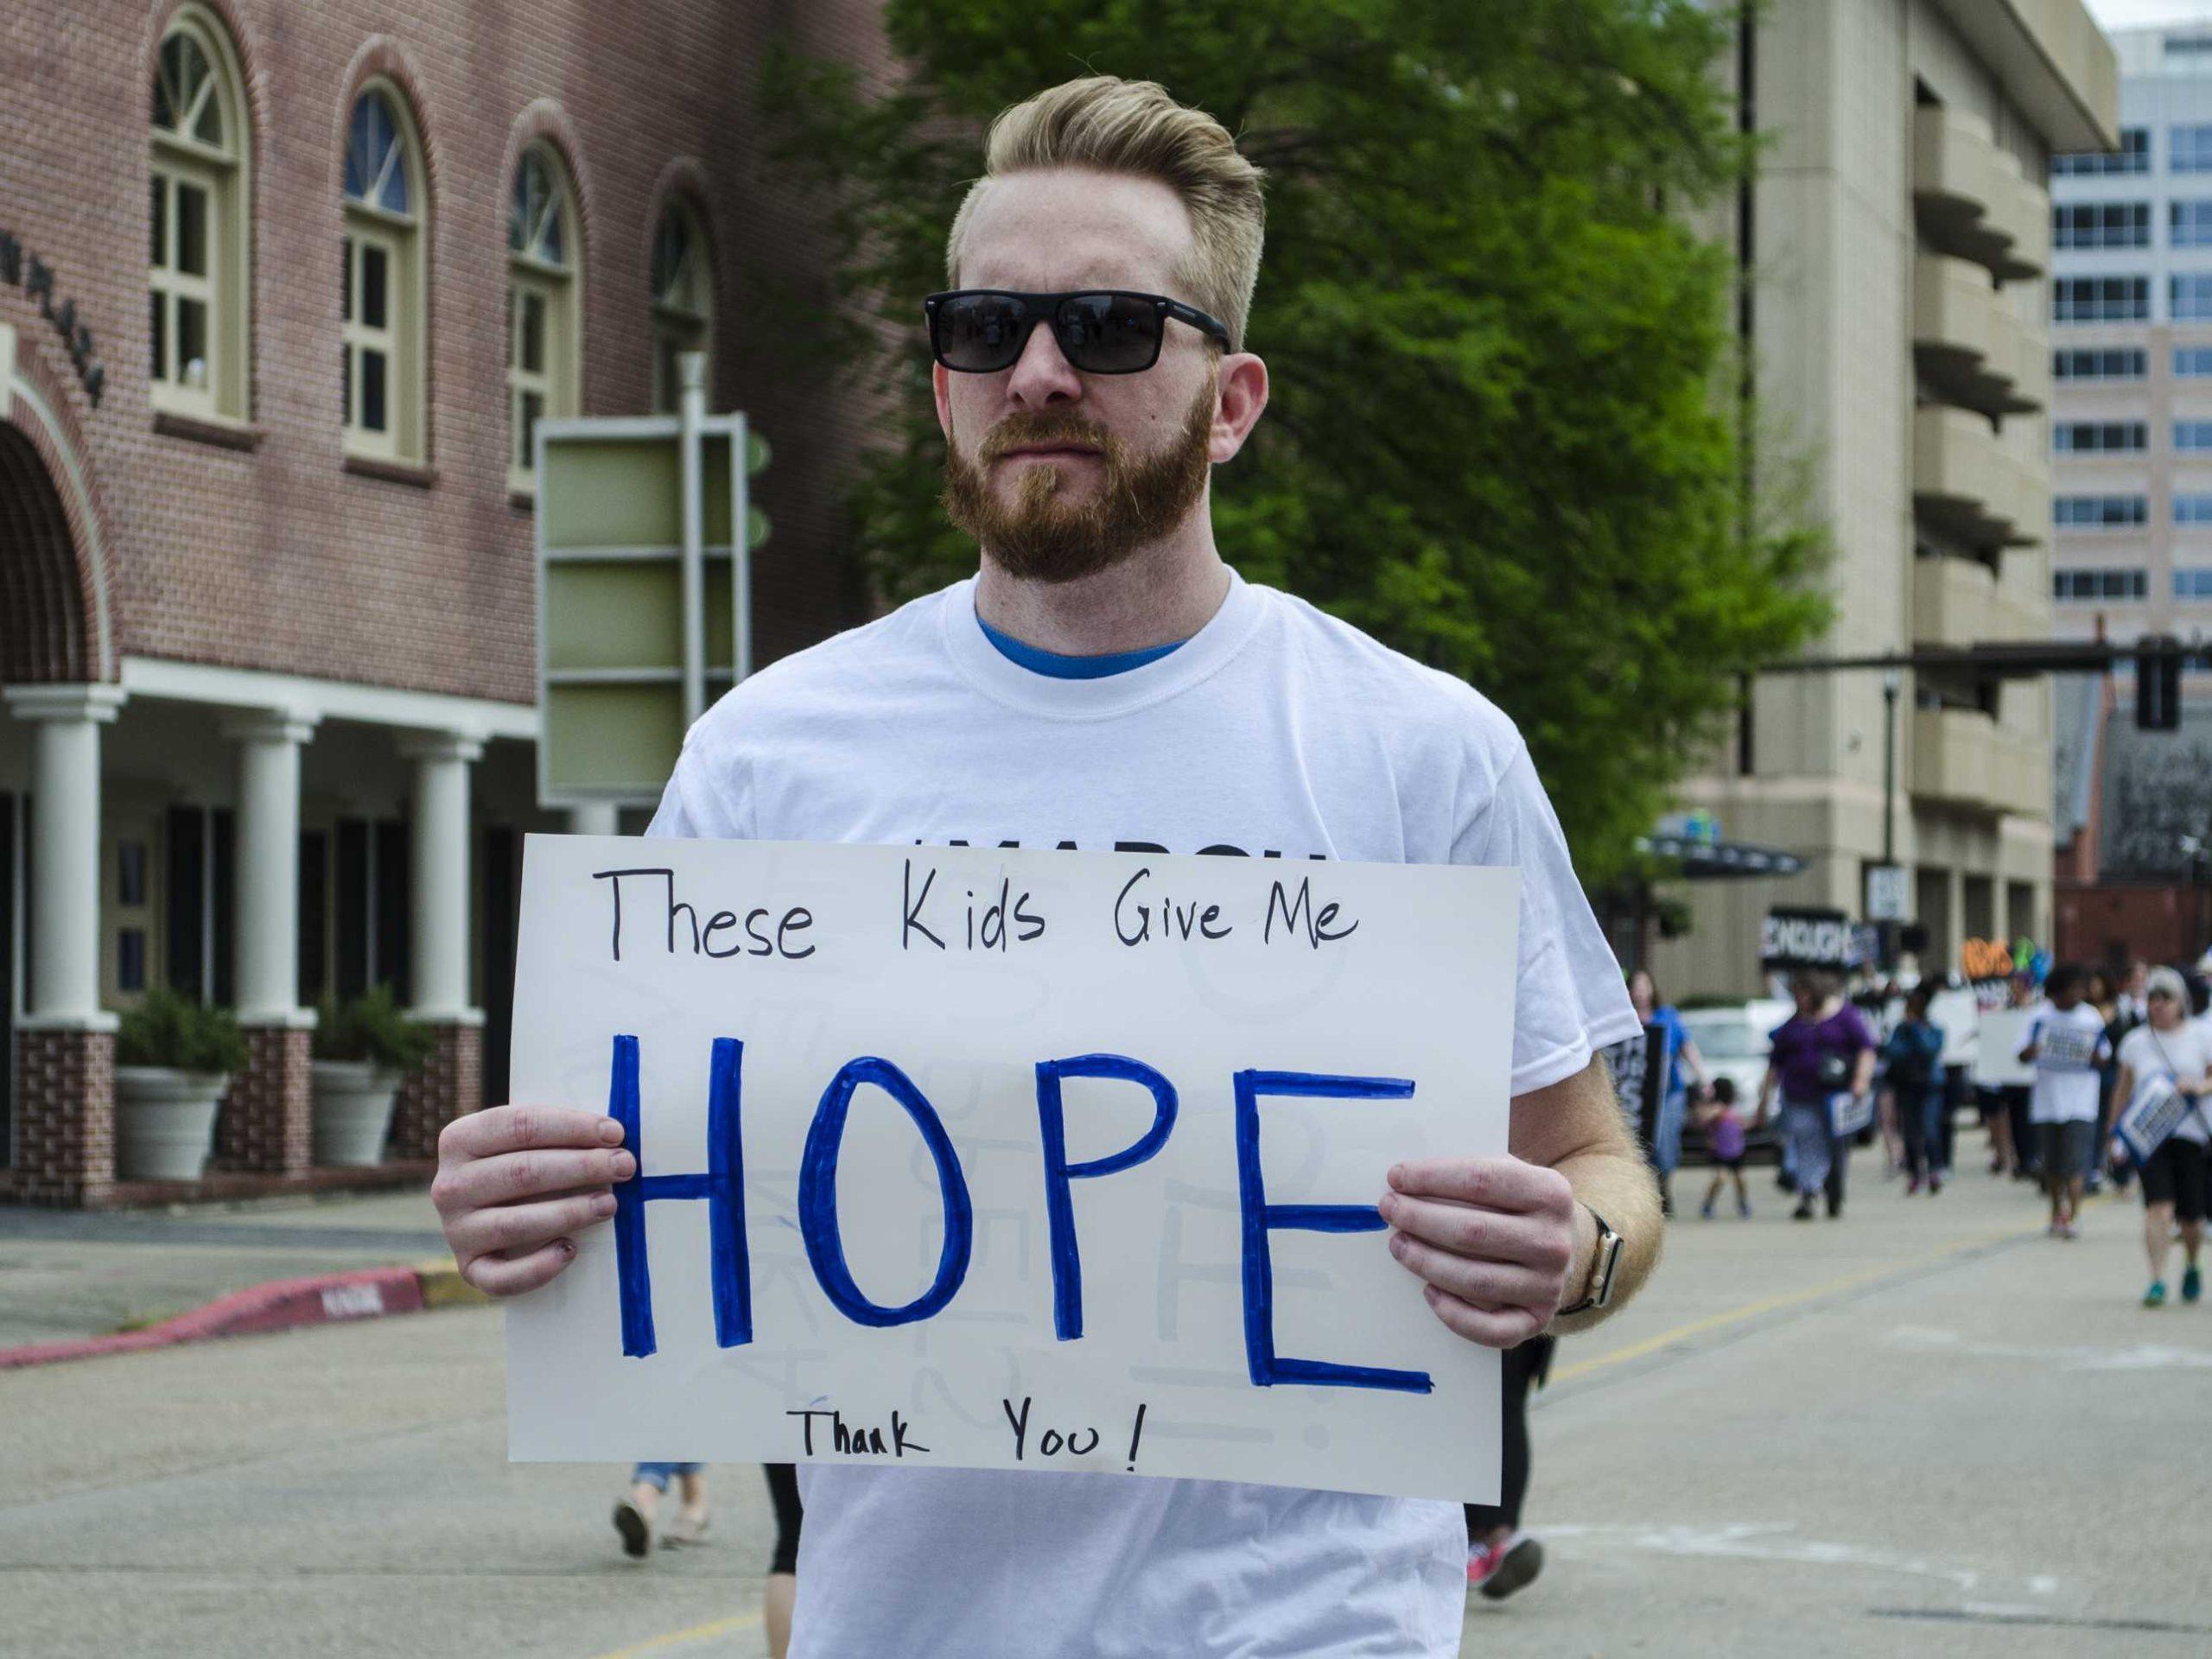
(1501, 1557)
(2176, 1182)
(1821, 1056)
(2066, 1045)
(638, 1511)
(1682, 1069)
(1722, 1121)
(1105, 676)
(1914, 1085)
(2128, 1008)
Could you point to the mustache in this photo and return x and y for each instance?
(1021, 431)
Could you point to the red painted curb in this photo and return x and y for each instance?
(282, 1304)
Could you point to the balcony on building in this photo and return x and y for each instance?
(1970, 199)
(1969, 347)
(1953, 600)
(1969, 484)
(1955, 756)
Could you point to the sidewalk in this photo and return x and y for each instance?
(69, 1273)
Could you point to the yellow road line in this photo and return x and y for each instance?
(677, 1639)
(1772, 1304)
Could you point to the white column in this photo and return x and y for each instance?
(66, 848)
(269, 865)
(599, 818)
(440, 875)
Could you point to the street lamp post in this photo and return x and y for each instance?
(1892, 682)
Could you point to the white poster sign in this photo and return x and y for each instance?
(1959, 1016)
(1004, 1160)
(1997, 1062)
(2157, 1111)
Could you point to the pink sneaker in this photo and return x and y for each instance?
(1482, 1561)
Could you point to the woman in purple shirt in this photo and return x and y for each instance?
(1824, 1050)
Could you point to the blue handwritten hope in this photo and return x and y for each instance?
(721, 1186)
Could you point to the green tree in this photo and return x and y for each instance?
(1503, 433)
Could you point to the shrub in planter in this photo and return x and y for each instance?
(362, 1049)
(174, 1059)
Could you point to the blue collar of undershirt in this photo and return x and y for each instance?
(1053, 666)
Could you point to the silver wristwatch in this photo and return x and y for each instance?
(1597, 1289)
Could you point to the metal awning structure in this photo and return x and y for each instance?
(1719, 860)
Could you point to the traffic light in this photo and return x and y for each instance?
(2157, 683)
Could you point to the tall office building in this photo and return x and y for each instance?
(2131, 338)
(1895, 250)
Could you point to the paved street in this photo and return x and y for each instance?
(1924, 1427)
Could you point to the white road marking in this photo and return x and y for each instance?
(1779, 1543)
(2139, 1357)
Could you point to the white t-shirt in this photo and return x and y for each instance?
(2184, 1051)
(1275, 732)
(2070, 1046)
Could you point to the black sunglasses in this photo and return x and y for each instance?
(1099, 331)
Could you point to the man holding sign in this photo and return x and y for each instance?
(1105, 683)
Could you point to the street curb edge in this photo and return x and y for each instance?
(280, 1304)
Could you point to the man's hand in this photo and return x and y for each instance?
(515, 1183)
(1495, 1240)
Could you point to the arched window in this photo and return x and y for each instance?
(683, 300)
(380, 285)
(542, 306)
(199, 268)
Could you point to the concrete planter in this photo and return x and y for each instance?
(354, 1100)
(164, 1122)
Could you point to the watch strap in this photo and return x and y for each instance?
(1597, 1288)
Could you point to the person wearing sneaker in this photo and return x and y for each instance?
(1915, 1078)
(1825, 1047)
(1723, 1122)
(634, 1515)
(2177, 1176)
(1501, 1557)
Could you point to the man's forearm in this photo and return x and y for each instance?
(1577, 1128)
(1619, 1185)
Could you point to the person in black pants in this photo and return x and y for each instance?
(783, 1566)
(1501, 1557)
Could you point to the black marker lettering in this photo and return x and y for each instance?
(914, 902)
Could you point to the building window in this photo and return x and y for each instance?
(2113, 363)
(2189, 224)
(2190, 297)
(2192, 362)
(2101, 299)
(2097, 437)
(2102, 224)
(2193, 509)
(683, 300)
(130, 906)
(198, 267)
(2133, 156)
(2098, 512)
(2191, 150)
(2078, 586)
(2193, 584)
(2193, 435)
(542, 308)
(380, 280)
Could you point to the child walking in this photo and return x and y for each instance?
(1723, 1122)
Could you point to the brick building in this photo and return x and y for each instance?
(282, 290)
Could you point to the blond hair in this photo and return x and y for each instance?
(1134, 127)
